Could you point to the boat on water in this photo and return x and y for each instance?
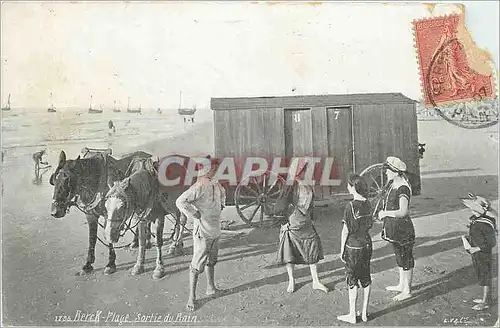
(129, 110)
(116, 110)
(93, 110)
(159, 111)
(8, 104)
(51, 109)
(185, 111)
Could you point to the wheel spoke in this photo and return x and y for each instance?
(257, 184)
(274, 193)
(264, 182)
(246, 197)
(251, 190)
(371, 176)
(272, 186)
(254, 212)
(261, 213)
(248, 205)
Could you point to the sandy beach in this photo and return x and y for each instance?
(41, 255)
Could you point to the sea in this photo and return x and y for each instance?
(25, 131)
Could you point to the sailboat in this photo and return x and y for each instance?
(138, 110)
(92, 110)
(116, 110)
(185, 111)
(8, 104)
(51, 109)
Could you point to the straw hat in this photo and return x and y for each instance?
(395, 164)
(477, 203)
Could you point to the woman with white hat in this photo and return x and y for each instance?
(299, 241)
(398, 228)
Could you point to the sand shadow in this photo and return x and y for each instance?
(442, 195)
(457, 279)
(381, 261)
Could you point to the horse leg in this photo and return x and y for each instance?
(148, 235)
(139, 265)
(181, 222)
(92, 223)
(159, 271)
(135, 242)
(111, 266)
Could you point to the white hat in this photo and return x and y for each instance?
(477, 203)
(395, 164)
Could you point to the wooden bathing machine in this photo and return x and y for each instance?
(358, 130)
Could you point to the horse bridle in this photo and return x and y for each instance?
(120, 192)
(71, 198)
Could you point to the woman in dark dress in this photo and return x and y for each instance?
(398, 228)
(299, 241)
(356, 246)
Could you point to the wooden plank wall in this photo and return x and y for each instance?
(320, 143)
(369, 135)
(387, 130)
(245, 133)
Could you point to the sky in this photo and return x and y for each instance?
(151, 52)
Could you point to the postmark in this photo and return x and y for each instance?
(457, 85)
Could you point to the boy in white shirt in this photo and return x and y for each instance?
(203, 202)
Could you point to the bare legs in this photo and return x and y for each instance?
(366, 298)
(398, 287)
(353, 294)
(210, 271)
(314, 274)
(483, 303)
(291, 279)
(404, 286)
(193, 281)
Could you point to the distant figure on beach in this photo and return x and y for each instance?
(38, 158)
(421, 150)
(111, 128)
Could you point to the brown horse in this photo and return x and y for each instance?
(139, 200)
(83, 182)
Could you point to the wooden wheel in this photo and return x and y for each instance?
(376, 180)
(257, 195)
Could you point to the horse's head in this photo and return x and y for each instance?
(118, 209)
(64, 180)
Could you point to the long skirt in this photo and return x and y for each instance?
(299, 246)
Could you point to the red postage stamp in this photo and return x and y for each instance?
(448, 70)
